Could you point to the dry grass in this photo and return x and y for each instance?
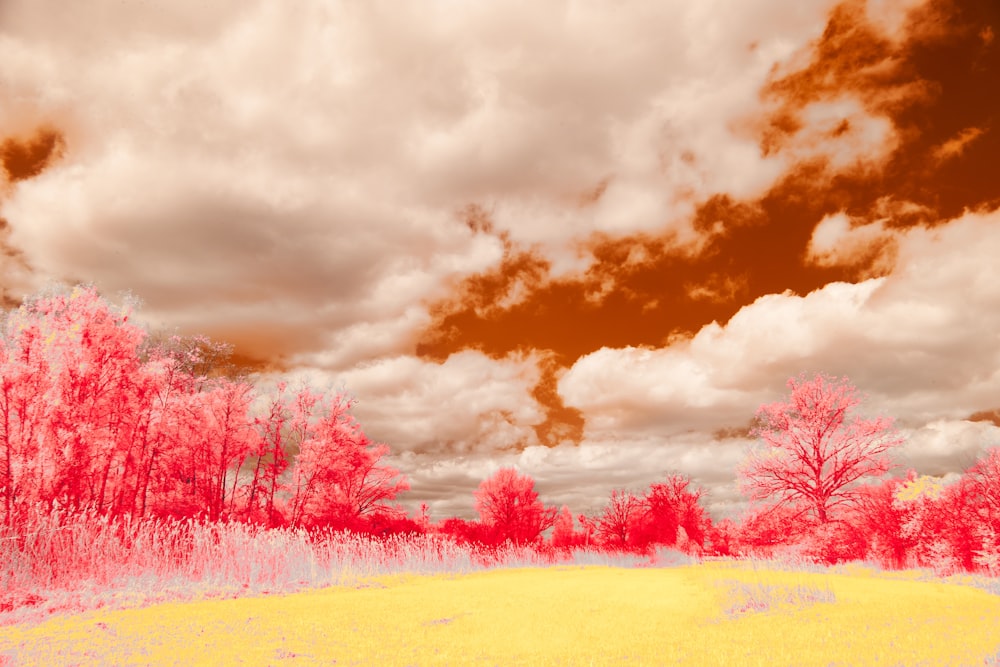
(93, 591)
(544, 616)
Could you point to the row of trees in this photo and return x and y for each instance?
(95, 414)
(819, 490)
(667, 514)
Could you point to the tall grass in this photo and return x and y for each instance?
(59, 561)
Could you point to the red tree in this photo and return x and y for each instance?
(621, 526)
(95, 415)
(673, 504)
(24, 381)
(817, 453)
(509, 508)
(564, 535)
(881, 517)
(984, 477)
(764, 529)
(75, 357)
(339, 479)
(721, 538)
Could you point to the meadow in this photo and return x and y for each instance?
(185, 593)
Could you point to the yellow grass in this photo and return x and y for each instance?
(546, 616)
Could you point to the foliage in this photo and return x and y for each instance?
(96, 416)
(817, 453)
(509, 508)
(105, 426)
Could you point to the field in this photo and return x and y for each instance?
(712, 613)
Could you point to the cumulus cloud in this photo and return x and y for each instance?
(467, 404)
(918, 353)
(319, 156)
(945, 447)
(678, 204)
(840, 241)
(580, 475)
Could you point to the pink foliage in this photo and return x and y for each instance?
(668, 514)
(105, 426)
(564, 536)
(96, 416)
(509, 508)
(817, 453)
(338, 480)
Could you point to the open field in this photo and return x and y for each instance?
(715, 613)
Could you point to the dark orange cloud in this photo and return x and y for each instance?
(936, 87)
(989, 416)
(561, 423)
(24, 158)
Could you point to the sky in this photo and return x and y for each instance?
(584, 238)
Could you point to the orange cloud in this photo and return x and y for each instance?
(24, 158)
(955, 146)
(859, 114)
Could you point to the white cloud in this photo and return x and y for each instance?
(318, 156)
(580, 476)
(838, 241)
(919, 352)
(470, 403)
(944, 446)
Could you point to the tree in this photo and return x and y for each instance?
(621, 526)
(673, 504)
(96, 416)
(764, 529)
(817, 453)
(24, 380)
(984, 477)
(223, 439)
(339, 479)
(509, 507)
(563, 534)
(881, 515)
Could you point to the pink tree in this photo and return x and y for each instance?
(562, 529)
(278, 430)
(984, 477)
(817, 453)
(764, 529)
(674, 504)
(881, 517)
(220, 440)
(339, 479)
(509, 508)
(622, 523)
(74, 357)
(24, 381)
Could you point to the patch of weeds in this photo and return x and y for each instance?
(747, 598)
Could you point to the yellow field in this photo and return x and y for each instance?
(552, 616)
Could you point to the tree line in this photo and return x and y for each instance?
(98, 415)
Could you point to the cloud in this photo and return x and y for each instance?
(840, 241)
(319, 157)
(956, 145)
(905, 339)
(580, 476)
(609, 229)
(948, 446)
(469, 403)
